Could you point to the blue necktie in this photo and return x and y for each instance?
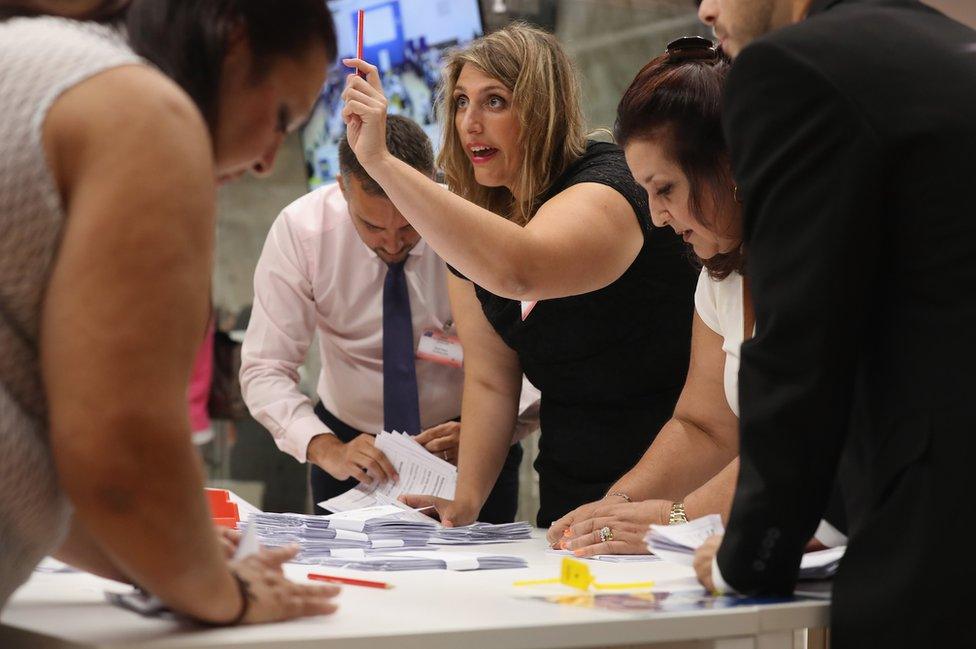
(401, 405)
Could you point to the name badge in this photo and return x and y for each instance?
(438, 347)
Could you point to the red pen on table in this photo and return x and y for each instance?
(361, 16)
(349, 581)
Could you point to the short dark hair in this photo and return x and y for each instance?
(405, 140)
(679, 103)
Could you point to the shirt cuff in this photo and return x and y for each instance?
(296, 439)
(829, 536)
(721, 586)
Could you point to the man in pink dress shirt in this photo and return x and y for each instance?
(324, 270)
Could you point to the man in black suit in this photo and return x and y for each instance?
(852, 129)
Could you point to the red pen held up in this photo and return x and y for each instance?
(360, 23)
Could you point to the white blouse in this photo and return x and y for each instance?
(719, 305)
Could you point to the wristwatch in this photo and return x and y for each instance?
(677, 514)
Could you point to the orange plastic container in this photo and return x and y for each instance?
(222, 510)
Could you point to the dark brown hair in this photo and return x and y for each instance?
(188, 39)
(405, 140)
(677, 101)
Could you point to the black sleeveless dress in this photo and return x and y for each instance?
(611, 363)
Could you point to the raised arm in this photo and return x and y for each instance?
(580, 241)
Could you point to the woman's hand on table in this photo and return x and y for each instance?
(627, 522)
(452, 513)
(275, 598)
(364, 112)
(704, 557)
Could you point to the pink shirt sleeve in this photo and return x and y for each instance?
(198, 393)
(279, 333)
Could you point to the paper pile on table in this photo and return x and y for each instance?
(420, 471)
(385, 527)
(422, 560)
(677, 543)
(479, 533)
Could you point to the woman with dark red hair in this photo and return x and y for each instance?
(669, 124)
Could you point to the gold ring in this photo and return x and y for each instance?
(606, 534)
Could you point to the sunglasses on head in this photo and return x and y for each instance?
(692, 48)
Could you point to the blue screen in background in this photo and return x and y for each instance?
(406, 40)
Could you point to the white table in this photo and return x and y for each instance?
(425, 610)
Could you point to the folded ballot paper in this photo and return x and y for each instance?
(422, 560)
(420, 471)
(371, 531)
(677, 543)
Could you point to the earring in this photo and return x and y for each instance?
(735, 194)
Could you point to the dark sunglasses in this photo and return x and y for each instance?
(692, 48)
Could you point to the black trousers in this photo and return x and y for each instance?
(500, 507)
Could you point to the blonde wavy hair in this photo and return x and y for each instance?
(546, 98)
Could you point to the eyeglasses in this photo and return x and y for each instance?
(692, 48)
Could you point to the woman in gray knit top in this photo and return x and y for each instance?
(117, 122)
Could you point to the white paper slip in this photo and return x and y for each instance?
(677, 543)
(609, 558)
(424, 560)
(420, 472)
(822, 564)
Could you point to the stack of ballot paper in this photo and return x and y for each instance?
(386, 527)
(425, 560)
(479, 533)
(420, 471)
(677, 543)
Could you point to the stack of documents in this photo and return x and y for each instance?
(376, 528)
(677, 543)
(479, 533)
(425, 560)
(420, 471)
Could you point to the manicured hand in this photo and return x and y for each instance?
(558, 530)
(451, 513)
(364, 113)
(359, 459)
(703, 561)
(627, 521)
(443, 440)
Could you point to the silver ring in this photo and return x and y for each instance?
(606, 534)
